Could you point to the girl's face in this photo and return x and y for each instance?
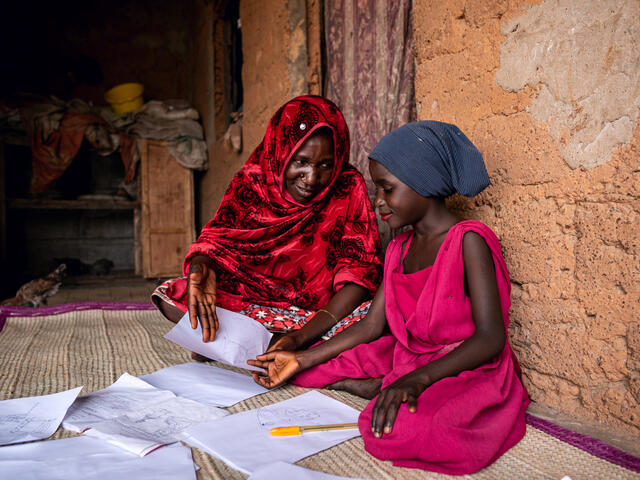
(398, 204)
(310, 168)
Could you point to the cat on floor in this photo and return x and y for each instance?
(35, 292)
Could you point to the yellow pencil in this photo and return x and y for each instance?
(299, 430)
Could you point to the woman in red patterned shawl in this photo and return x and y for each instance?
(294, 243)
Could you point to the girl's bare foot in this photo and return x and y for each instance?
(362, 387)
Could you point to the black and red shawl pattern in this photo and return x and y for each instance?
(269, 249)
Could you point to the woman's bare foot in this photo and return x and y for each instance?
(362, 387)
(171, 313)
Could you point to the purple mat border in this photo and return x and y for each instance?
(6, 312)
(586, 443)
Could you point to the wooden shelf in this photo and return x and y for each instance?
(34, 204)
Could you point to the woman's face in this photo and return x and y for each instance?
(310, 167)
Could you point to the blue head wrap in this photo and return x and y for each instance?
(435, 159)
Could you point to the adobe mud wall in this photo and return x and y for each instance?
(550, 94)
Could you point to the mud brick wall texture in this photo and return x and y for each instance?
(549, 92)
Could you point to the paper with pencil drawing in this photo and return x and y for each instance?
(238, 339)
(205, 383)
(146, 429)
(126, 394)
(33, 418)
(136, 416)
(243, 440)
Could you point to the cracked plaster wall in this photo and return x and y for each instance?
(584, 58)
(567, 217)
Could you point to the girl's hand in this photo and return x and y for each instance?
(279, 367)
(201, 295)
(406, 389)
(289, 342)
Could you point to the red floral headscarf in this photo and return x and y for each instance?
(271, 250)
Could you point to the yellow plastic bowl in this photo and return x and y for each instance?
(125, 97)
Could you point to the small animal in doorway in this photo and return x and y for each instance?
(35, 292)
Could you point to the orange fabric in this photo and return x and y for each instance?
(52, 156)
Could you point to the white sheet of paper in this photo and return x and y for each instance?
(164, 464)
(33, 418)
(238, 339)
(243, 440)
(205, 384)
(286, 470)
(82, 446)
(136, 416)
(66, 447)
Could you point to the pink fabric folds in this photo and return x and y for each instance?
(462, 423)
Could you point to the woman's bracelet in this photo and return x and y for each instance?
(335, 320)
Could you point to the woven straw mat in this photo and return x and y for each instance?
(43, 355)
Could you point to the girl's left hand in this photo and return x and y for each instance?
(406, 389)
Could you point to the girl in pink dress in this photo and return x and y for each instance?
(432, 352)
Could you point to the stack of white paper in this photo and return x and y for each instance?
(238, 339)
(205, 384)
(33, 418)
(137, 416)
(85, 458)
(243, 440)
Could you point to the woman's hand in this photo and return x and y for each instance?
(201, 295)
(279, 367)
(289, 342)
(406, 389)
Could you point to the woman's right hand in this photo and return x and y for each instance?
(201, 294)
(279, 367)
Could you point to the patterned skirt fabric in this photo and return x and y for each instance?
(276, 320)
